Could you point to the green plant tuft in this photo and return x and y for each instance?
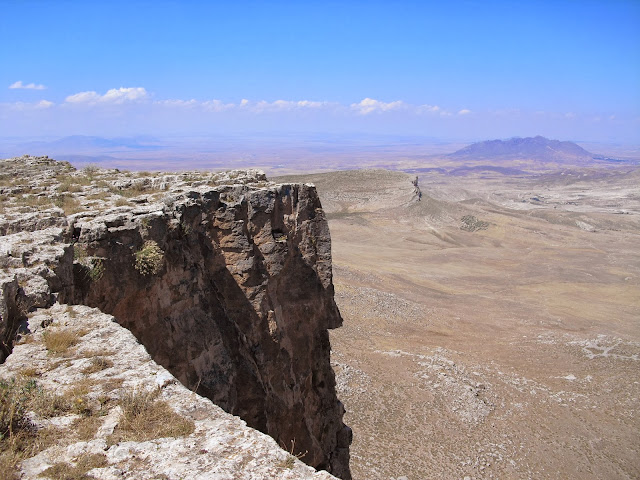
(149, 258)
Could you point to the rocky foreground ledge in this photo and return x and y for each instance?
(123, 294)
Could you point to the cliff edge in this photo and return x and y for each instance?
(224, 278)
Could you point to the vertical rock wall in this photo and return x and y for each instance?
(238, 308)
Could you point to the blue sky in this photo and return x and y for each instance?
(460, 69)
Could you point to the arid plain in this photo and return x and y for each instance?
(492, 329)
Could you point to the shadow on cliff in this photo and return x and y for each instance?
(256, 344)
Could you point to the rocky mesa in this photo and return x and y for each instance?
(224, 278)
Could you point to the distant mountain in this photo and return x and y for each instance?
(83, 142)
(530, 148)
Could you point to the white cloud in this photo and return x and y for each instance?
(283, 105)
(370, 105)
(44, 104)
(464, 111)
(177, 103)
(428, 109)
(115, 96)
(83, 97)
(121, 95)
(311, 104)
(27, 106)
(28, 86)
(217, 105)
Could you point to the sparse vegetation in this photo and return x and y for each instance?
(69, 310)
(90, 170)
(94, 265)
(33, 201)
(79, 253)
(29, 372)
(290, 461)
(145, 417)
(19, 437)
(84, 463)
(59, 341)
(69, 204)
(98, 364)
(135, 189)
(14, 397)
(97, 269)
(471, 224)
(149, 259)
(68, 185)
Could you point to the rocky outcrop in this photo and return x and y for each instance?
(224, 278)
(95, 378)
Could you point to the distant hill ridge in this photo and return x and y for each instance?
(534, 148)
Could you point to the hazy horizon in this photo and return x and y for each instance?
(461, 71)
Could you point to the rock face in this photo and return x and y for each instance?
(224, 278)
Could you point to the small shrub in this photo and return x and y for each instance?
(79, 253)
(97, 269)
(90, 170)
(149, 258)
(290, 461)
(94, 265)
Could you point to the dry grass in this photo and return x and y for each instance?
(112, 384)
(33, 201)
(86, 427)
(59, 341)
(24, 339)
(23, 445)
(290, 461)
(84, 463)
(29, 372)
(144, 417)
(69, 204)
(69, 185)
(14, 398)
(19, 438)
(97, 365)
(138, 188)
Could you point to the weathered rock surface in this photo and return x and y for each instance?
(224, 278)
(220, 447)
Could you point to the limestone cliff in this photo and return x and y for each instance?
(224, 278)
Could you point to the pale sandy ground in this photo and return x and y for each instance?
(508, 352)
